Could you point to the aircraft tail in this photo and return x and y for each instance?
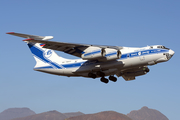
(45, 58)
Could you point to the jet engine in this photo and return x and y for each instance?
(101, 54)
(111, 54)
(93, 53)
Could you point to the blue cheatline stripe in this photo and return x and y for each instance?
(39, 54)
(139, 53)
(72, 65)
(110, 54)
(142, 53)
(45, 67)
(124, 56)
(94, 52)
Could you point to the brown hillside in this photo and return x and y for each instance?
(12, 113)
(107, 115)
(146, 114)
(73, 114)
(52, 115)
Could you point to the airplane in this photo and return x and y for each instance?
(97, 61)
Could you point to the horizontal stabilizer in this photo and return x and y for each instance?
(31, 36)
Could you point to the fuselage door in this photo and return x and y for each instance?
(141, 57)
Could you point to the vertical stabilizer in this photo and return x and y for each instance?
(45, 58)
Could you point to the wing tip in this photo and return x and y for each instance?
(10, 32)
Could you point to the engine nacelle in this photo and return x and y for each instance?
(93, 53)
(101, 54)
(111, 54)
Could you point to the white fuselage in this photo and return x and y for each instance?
(130, 58)
(96, 60)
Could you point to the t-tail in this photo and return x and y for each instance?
(45, 58)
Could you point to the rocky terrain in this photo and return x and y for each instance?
(144, 113)
(15, 113)
(107, 115)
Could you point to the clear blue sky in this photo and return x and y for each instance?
(115, 22)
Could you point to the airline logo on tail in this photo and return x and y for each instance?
(47, 53)
(43, 56)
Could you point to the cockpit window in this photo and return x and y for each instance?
(159, 46)
(162, 47)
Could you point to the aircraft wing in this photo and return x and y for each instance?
(69, 48)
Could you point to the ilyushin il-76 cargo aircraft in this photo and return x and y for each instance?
(97, 61)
